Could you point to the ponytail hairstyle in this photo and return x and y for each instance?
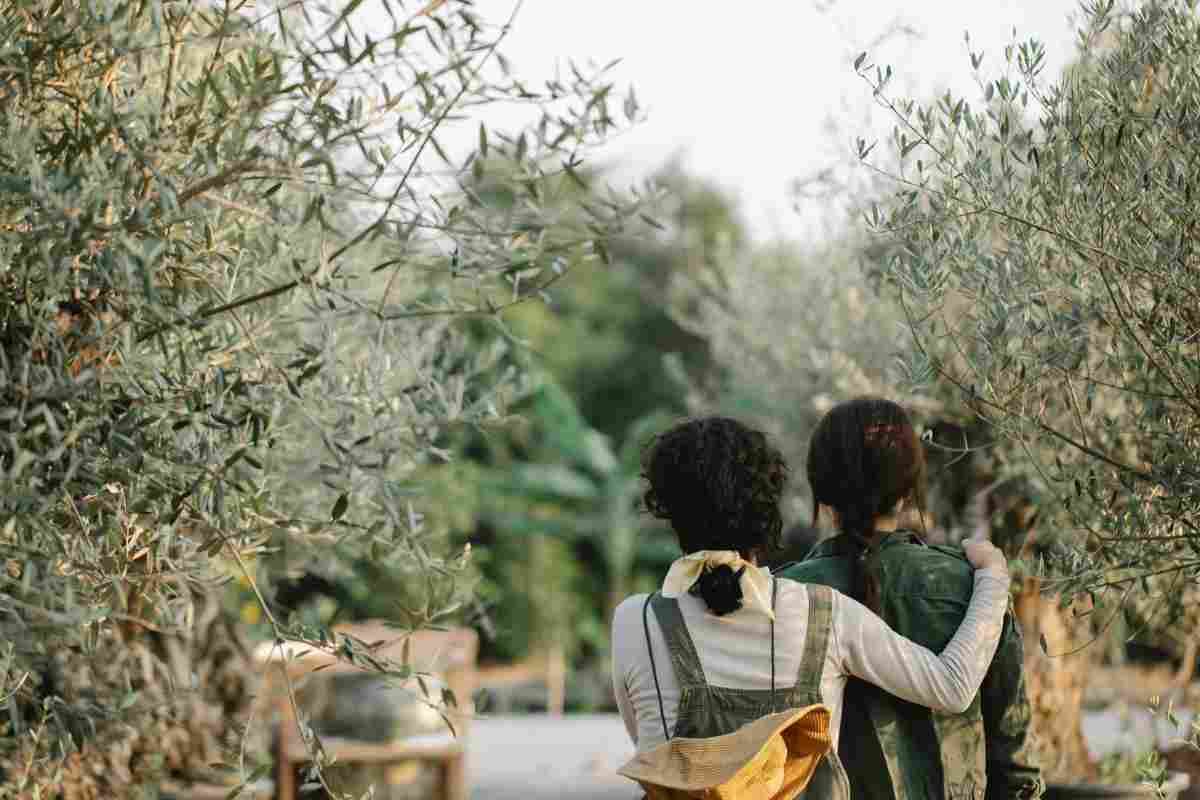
(864, 458)
(718, 483)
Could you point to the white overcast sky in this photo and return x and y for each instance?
(743, 90)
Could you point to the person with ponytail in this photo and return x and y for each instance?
(866, 467)
(724, 643)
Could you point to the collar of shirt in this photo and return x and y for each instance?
(842, 546)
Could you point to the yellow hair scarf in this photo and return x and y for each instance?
(755, 581)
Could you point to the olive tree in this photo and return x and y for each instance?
(1044, 254)
(234, 245)
(1045, 262)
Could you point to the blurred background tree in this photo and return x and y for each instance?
(558, 496)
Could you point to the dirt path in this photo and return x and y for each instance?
(536, 757)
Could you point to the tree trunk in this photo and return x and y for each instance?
(1055, 672)
(1187, 669)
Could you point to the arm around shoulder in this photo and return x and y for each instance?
(945, 682)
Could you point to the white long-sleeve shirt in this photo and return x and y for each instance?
(735, 653)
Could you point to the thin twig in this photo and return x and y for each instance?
(973, 395)
(412, 164)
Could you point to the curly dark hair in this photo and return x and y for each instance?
(719, 483)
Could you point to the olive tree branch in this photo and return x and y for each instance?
(971, 394)
(426, 138)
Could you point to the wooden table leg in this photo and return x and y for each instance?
(454, 777)
(285, 770)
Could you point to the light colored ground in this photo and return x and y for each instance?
(539, 757)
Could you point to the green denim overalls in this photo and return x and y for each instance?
(706, 711)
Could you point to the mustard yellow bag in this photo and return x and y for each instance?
(772, 758)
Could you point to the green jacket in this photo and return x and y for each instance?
(895, 750)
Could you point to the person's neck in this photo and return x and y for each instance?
(887, 524)
(882, 527)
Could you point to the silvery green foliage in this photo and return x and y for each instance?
(1045, 256)
(232, 248)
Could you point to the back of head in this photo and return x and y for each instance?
(718, 483)
(864, 458)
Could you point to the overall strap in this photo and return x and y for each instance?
(816, 638)
(662, 714)
(684, 658)
(774, 592)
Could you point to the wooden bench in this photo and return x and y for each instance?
(448, 655)
(173, 790)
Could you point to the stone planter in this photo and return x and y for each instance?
(363, 707)
(1176, 784)
(367, 708)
